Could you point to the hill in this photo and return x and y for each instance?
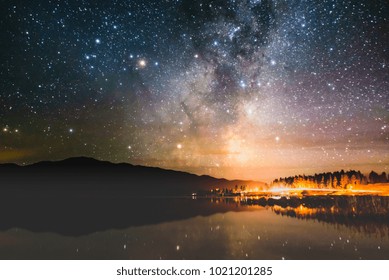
(87, 174)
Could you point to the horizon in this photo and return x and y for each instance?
(198, 174)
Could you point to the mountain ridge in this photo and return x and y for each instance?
(85, 173)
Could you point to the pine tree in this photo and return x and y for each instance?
(336, 183)
(344, 180)
(329, 182)
(322, 185)
(354, 181)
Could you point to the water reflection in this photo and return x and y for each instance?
(366, 213)
(116, 227)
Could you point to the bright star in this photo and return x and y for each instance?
(142, 63)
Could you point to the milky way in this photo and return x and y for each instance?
(238, 89)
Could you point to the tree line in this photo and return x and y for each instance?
(331, 180)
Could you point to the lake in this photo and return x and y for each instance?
(113, 226)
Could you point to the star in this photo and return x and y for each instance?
(142, 63)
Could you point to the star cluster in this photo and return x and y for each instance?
(239, 89)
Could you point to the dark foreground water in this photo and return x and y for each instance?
(123, 227)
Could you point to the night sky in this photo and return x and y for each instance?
(248, 89)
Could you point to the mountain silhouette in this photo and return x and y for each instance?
(88, 174)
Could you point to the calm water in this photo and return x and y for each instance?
(110, 227)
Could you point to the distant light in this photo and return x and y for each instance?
(196, 56)
(278, 138)
(97, 41)
(179, 146)
(129, 147)
(5, 129)
(273, 62)
(16, 130)
(71, 130)
(178, 247)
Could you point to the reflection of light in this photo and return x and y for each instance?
(300, 211)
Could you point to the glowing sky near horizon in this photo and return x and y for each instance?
(249, 89)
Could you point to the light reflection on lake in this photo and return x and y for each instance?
(214, 228)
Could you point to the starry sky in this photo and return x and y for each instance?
(248, 89)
